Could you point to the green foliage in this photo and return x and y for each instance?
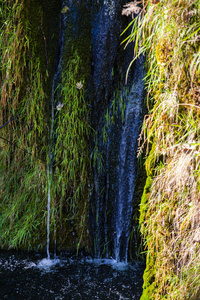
(168, 34)
(22, 208)
(144, 200)
(26, 75)
(117, 110)
(71, 150)
(23, 176)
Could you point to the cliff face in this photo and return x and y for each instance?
(168, 33)
(61, 91)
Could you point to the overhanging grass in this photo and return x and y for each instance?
(168, 34)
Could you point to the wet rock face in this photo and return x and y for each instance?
(115, 185)
(93, 28)
(107, 56)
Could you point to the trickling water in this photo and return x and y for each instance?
(48, 208)
(128, 163)
(114, 190)
(50, 167)
(114, 183)
(106, 202)
(110, 7)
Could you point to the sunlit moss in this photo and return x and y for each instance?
(169, 218)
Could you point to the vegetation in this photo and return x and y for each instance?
(27, 68)
(22, 142)
(168, 33)
(72, 170)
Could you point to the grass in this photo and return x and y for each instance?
(72, 172)
(22, 198)
(168, 34)
(27, 66)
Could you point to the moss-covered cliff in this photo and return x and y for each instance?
(30, 77)
(169, 35)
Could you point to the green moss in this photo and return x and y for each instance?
(145, 199)
(169, 204)
(78, 37)
(149, 285)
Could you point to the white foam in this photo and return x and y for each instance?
(30, 265)
(47, 263)
(121, 266)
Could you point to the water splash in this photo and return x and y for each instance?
(46, 264)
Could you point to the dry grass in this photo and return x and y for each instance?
(172, 223)
(169, 35)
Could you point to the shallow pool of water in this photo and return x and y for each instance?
(31, 276)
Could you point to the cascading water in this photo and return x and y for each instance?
(114, 187)
(128, 163)
(50, 158)
(114, 183)
(117, 181)
(107, 62)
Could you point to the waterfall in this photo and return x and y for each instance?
(128, 163)
(111, 203)
(115, 182)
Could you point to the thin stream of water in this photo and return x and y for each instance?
(48, 208)
(49, 168)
